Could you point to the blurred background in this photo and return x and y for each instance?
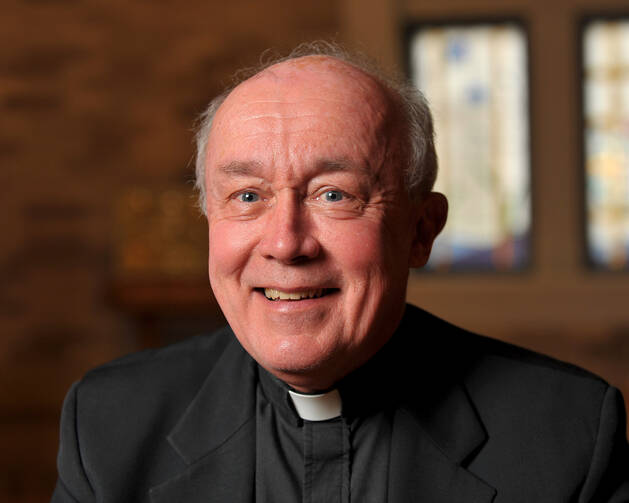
(103, 253)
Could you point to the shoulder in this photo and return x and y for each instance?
(164, 380)
(116, 419)
(486, 356)
(546, 420)
(188, 359)
(511, 386)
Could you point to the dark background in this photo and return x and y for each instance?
(101, 250)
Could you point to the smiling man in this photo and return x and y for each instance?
(315, 175)
(311, 227)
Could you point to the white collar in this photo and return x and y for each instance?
(318, 407)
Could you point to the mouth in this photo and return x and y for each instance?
(316, 293)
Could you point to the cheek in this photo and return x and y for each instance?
(229, 248)
(373, 254)
(356, 247)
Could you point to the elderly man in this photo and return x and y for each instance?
(316, 175)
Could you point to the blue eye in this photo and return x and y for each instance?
(248, 197)
(333, 195)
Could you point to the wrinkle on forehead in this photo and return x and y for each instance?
(285, 96)
(338, 80)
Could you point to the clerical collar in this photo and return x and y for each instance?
(374, 386)
(317, 407)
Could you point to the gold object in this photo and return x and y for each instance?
(159, 234)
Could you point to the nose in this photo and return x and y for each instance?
(288, 236)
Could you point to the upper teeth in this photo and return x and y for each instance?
(273, 294)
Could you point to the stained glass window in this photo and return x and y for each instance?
(606, 141)
(475, 79)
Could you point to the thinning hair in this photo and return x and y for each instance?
(420, 170)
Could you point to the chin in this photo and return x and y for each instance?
(309, 370)
(303, 365)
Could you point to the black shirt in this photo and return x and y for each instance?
(340, 460)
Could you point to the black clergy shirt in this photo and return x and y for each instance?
(340, 460)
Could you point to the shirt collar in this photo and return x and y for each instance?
(318, 406)
(366, 390)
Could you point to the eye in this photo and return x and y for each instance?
(333, 195)
(248, 197)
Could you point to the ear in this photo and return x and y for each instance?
(430, 218)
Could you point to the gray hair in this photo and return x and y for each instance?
(420, 171)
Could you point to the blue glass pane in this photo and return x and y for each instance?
(475, 78)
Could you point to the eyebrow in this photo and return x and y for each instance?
(240, 168)
(341, 165)
(253, 168)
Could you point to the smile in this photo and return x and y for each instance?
(272, 294)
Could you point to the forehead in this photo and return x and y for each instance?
(312, 80)
(318, 75)
(311, 102)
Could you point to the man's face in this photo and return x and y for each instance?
(310, 228)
